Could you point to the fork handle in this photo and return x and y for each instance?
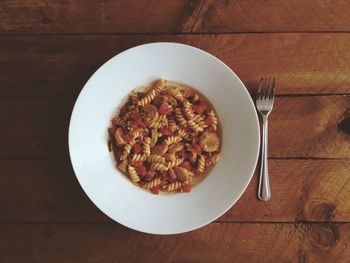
(264, 192)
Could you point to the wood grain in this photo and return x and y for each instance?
(306, 127)
(302, 190)
(61, 65)
(273, 16)
(37, 16)
(213, 243)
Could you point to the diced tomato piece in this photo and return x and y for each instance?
(142, 123)
(199, 108)
(164, 174)
(207, 121)
(166, 132)
(133, 124)
(150, 174)
(186, 165)
(172, 174)
(165, 108)
(137, 148)
(186, 188)
(137, 163)
(135, 115)
(197, 148)
(141, 170)
(127, 137)
(158, 100)
(155, 190)
(111, 131)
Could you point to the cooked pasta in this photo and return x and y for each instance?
(172, 126)
(201, 163)
(172, 139)
(174, 162)
(159, 85)
(165, 137)
(180, 117)
(213, 120)
(173, 186)
(139, 157)
(188, 110)
(147, 146)
(212, 160)
(154, 137)
(148, 98)
(127, 149)
(159, 167)
(155, 158)
(154, 183)
(195, 126)
(133, 174)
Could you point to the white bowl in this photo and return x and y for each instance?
(112, 192)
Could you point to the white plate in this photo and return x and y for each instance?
(110, 191)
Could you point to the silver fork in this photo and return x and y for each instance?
(264, 104)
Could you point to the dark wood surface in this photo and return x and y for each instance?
(48, 50)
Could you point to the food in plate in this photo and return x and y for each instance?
(166, 137)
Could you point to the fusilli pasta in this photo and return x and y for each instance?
(133, 174)
(164, 137)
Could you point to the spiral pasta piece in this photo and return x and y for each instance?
(188, 110)
(195, 126)
(212, 160)
(148, 98)
(172, 126)
(159, 85)
(182, 133)
(155, 182)
(159, 167)
(180, 117)
(201, 163)
(172, 139)
(174, 92)
(139, 157)
(213, 119)
(133, 174)
(155, 158)
(154, 137)
(127, 149)
(174, 162)
(173, 186)
(118, 136)
(200, 121)
(136, 133)
(147, 146)
(158, 121)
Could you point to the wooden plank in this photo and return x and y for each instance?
(302, 190)
(213, 243)
(28, 17)
(306, 127)
(273, 16)
(60, 65)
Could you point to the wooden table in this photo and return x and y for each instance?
(48, 49)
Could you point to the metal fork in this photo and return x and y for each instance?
(264, 104)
